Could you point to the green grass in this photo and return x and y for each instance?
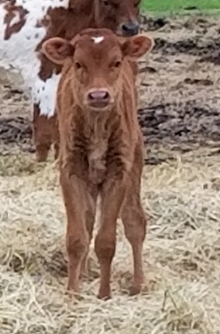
(176, 5)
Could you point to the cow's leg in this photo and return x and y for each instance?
(79, 205)
(56, 149)
(134, 221)
(42, 135)
(112, 196)
(55, 135)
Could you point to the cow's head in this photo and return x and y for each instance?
(96, 60)
(121, 16)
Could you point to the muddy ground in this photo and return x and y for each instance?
(179, 91)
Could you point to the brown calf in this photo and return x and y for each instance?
(100, 147)
(120, 16)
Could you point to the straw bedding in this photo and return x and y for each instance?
(181, 255)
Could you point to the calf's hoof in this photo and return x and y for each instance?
(73, 293)
(72, 287)
(72, 290)
(135, 289)
(104, 294)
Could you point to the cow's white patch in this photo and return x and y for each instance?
(44, 93)
(98, 39)
(18, 52)
(16, 19)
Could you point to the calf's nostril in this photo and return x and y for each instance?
(98, 95)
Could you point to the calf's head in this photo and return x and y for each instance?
(96, 60)
(121, 16)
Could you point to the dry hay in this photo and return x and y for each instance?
(181, 255)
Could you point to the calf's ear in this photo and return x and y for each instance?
(57, 50)
(136, 46)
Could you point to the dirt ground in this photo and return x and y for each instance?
(179, 115)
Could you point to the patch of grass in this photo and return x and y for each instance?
(176, 5)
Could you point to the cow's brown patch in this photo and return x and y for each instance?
(12, 12)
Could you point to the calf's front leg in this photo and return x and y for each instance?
(112, 196)
(80, 206)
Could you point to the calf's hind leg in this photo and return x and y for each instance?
(134, 221)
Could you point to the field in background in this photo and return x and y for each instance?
(176, 5)
(179, 115)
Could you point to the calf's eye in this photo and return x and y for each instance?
(106, 3)
(118, 63)
(78, 65)
(115, 64)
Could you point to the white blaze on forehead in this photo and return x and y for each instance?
(98, 40)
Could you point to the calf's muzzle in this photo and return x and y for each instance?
(98, 98)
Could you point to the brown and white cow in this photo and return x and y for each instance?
(26, 24)
(100, 147)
